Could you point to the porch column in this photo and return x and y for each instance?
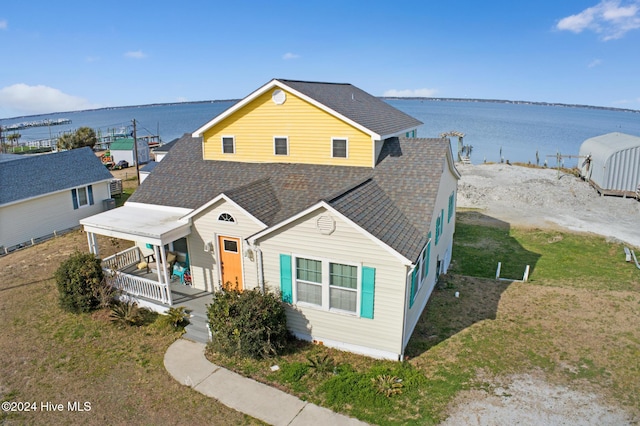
(90, 243)
(156, 255)
(92, 240)
(165, 274)
(96, 250)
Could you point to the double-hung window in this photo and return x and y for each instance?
(339, 148)
(228, 145)
(281, 145)
(343, 287)
(82, 196)
(309, 281)
(328, 285)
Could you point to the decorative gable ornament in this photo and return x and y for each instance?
(278, 97)
(326, 225)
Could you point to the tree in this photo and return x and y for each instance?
(84, 136)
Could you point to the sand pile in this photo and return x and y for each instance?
(525, 196)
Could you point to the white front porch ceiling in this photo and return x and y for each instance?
(145, 223)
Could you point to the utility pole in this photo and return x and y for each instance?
(1, 142)
(135, 150)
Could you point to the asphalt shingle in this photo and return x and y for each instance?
(37, 175)
(393, 201)
(357, 105)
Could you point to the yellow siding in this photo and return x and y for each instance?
(308, 128)
(349, 245)
(206, 228)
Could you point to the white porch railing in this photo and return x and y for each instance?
(134, 285)
(122, 260)
(138, 286)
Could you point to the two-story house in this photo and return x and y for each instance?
(320, 191)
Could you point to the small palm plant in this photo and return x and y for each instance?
(387, 385)
(177, 317)
(321, 364)
(126, 314)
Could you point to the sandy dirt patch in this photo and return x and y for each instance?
(528, 400)
(532, 197)
(536, 198)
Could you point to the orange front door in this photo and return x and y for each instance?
(230, 263)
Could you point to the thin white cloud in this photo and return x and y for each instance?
(3, 24)
(136, 54)
(182, 99)
(410, 93)
(20, 99)
(92, 58)
(290, 55)
(594, 63)
(608, 18)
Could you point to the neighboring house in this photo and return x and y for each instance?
(122, 149)
(159, 153)
(44, 194)
(611, 163)
(311, 189)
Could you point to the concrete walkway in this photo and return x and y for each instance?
(185, 361)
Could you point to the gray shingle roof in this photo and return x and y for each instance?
(167, 146)
(393, 201)
(42, 174)
(357, 105)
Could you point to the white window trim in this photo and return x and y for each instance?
(222, 138)
(86, 194)
(325, 285)
(333, 139)
(274, 146)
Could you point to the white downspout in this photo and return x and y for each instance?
(407, 286)
(260, 271)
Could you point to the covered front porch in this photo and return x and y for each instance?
(152, 271)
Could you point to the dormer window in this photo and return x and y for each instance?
(226, 217)
(339, 148)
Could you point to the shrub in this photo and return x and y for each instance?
(79, 279)
(321, 364)
(248, 324)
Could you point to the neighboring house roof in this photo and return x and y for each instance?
(342, 100)
(10, 157)
(148, 168)
(167, 146)
(124, 144)
(37, 175)
(393, 201)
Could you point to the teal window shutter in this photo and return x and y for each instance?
(286, 283)
(74, 196)
(368, 292)
(414, 286)
(90, 190)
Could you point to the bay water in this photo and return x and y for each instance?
(496, 131)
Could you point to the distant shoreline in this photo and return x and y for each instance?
(395, 98)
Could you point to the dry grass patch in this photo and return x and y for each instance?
(51, 355)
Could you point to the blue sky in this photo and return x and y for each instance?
(69, 55)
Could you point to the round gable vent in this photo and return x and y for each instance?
(326, 225)
(278, 97)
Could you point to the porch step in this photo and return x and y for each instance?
(197, 329)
